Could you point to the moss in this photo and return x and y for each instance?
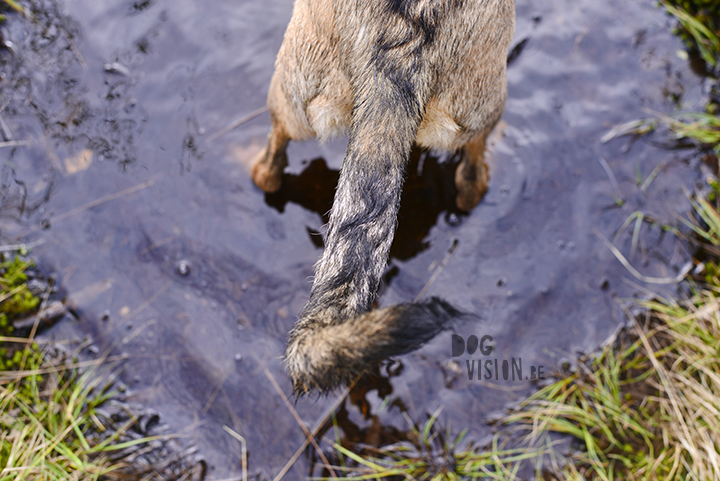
(13, 360)
(18, 302)
(21, 301)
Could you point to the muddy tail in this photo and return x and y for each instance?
(336, 336)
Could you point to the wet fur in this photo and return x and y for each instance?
(392, 73)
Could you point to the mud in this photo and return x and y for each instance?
(173, 257)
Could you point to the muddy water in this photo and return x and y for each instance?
(173, 257)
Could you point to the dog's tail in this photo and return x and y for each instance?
(323, 354)
(336, 337)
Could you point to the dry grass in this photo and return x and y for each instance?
(648, 407)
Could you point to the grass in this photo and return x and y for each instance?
(700, 22)
(697, 18)
(703, 35)
(52, 425)
(15, 6)
(430, 455)
(648, 407)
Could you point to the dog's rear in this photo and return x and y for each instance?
(393, 72)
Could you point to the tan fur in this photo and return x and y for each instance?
(340, 69)
(310, 94)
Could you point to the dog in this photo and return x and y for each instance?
(390, 73)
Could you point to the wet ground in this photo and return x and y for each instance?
(154, 229)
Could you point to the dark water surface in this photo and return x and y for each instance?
(121, 177)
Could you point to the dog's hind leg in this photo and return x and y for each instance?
(268, 167)
(471, 176)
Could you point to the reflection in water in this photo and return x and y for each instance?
(361, 428)
(429, 191)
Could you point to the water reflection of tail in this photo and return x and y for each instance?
(429, 191)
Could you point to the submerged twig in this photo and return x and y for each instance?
(7, 134)
(437, 272)
(634, 127)
(103, 200)
(147, 302)
(243, 447)
(651, 280)
(653, 175)
(613, 180)
(310, 437)
(92, 204)
(21, 247)
(238, 123)
(15, 143)
(317, 429)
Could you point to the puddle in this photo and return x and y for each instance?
(200, 275)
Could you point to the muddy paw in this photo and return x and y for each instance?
(266, 175)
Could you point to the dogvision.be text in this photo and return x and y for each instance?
(492, 369)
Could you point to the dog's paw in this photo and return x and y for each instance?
(470, 190)
(265, 174)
